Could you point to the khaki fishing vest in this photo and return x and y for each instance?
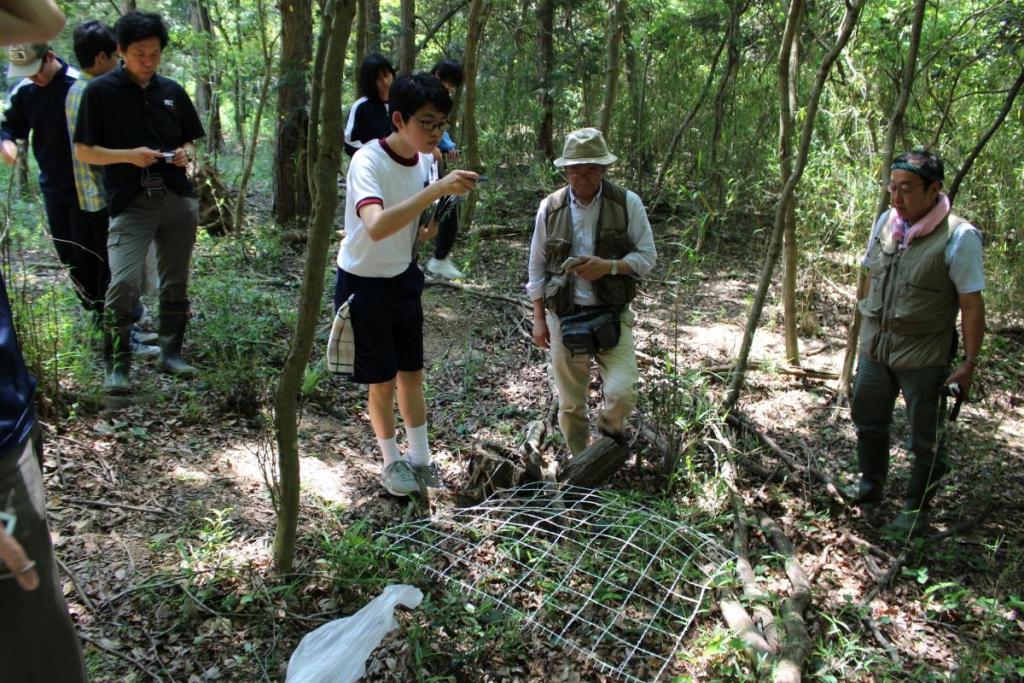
(611, 242)
(911, 307)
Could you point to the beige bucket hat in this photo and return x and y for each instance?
(585, 146)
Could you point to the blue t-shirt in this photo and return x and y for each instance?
(17, 386)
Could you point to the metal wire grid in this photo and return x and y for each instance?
(619, 584)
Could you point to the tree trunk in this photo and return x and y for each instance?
(474, 36)
(339, 13)
(372, 26)
(849, 21)
(207, 83)
(732, 64)
(545, 69)
(360, 31)
(788, 99)
(616, 26)
(291, 186)
(888, 151)
(250, 157)
(241, 101)
(407, 38)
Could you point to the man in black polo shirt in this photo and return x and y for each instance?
(37, 106)
(141, 127)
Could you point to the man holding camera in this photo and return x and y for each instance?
(141, 127)
(591, 244)
(926, 268)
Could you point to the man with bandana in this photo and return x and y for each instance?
(925, 268)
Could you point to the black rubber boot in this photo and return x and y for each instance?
(118, 355)
(171, 336)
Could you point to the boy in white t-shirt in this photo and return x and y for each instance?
(387, 191)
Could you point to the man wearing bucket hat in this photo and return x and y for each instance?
(592, 242)
(926, 268)
(36, 107)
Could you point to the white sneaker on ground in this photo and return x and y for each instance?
(140, 350)
(445, 268)
(399, 479)
(429, 475)
(143, 337)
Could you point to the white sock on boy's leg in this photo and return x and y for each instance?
(419, 448)
(389, 449)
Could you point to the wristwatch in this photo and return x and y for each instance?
(973, 360)
(615, 267)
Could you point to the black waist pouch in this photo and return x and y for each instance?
(591, 331)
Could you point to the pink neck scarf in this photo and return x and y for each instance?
(903, 233)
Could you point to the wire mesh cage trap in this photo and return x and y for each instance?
(609, 579)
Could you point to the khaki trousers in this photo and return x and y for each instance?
(619, 375)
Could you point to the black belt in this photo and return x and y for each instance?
(576, 308)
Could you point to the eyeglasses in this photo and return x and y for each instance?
(431, 126)
(902, 188)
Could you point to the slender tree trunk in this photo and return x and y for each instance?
(285, 397)
(360, 31)
(241, 98)
(372, 26)
(788, 89)
(732, 64)
(474, 37)
(545, 69)
(250, 156)
(315, 98)
(291, 186)
(849, 21)
(616, 26)
(207, 83)
(888, 151)
(407, 37)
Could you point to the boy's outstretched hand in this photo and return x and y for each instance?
(458, 182)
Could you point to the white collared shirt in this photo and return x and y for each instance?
(584, 231)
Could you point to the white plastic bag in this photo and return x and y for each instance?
(337, 651)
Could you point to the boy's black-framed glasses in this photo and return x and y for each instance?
(431, 126)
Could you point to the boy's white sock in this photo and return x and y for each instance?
(419, 448)
(389, 449)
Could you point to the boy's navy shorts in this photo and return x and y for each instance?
(387, 322)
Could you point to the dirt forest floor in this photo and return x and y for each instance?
(164, 525)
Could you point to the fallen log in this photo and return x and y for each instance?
(595, 465)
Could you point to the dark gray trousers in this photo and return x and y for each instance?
(170, 222)
(37, 639)
(874, 398)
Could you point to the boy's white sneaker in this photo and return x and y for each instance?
(445, 268)
(429, 475)
(399, 479)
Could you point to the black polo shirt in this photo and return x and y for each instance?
(117, 113)
(41, 111)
